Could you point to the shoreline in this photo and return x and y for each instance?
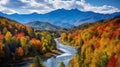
(30, 60)
(44, 57)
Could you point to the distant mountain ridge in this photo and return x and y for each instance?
(43, 26)
(61, 17)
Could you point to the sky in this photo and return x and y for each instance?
(45, 6)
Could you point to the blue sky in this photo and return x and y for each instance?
(45, 6)
(115, 3)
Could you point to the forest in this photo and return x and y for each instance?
(98, 45)
(18, 42)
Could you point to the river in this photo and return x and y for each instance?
(69, 52)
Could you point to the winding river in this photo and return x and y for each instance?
(69, 52)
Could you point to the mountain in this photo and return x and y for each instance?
(90, 24)
(43, 26)
(61, 17)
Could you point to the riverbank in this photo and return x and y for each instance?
(25, 60)
(52, 59)
(65, 57)
(68, 44)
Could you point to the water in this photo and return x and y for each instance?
(65, 57)
(69, 52)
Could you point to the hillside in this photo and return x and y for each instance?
(98, 45)
(18, 42)
(43, 26)
(61, 17)
(87, 25)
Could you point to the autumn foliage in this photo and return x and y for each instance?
(98, 45)
(18, 41)
(112, 62)
(20, 51)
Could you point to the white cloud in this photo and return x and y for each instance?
(34, 6)
(3, 2)
(50, 5)
(105, 9)
(5, 9)
(62, 4)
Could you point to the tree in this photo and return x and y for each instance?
(63, 36)
(69, 37)
(30, 32)
(2, 54)
(23, 42)
(88, 55)
(38, 62)
(1, 38)
(36, 43)
(62, 64)
(8, 36)
(103, 59)
(20, 51)
(5, 30)
(7, 51)
(112, 62)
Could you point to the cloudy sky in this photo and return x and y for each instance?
(45, 6)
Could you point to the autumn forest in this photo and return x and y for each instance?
(97, 44)
(18, 42)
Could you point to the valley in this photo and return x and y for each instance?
(54, 44)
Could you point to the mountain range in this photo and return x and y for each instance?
(61, 17)
(42, 26)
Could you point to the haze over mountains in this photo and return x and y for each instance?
(61, 17)
(42, 26)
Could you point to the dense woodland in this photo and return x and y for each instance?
(18, 41)
(98, 44)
